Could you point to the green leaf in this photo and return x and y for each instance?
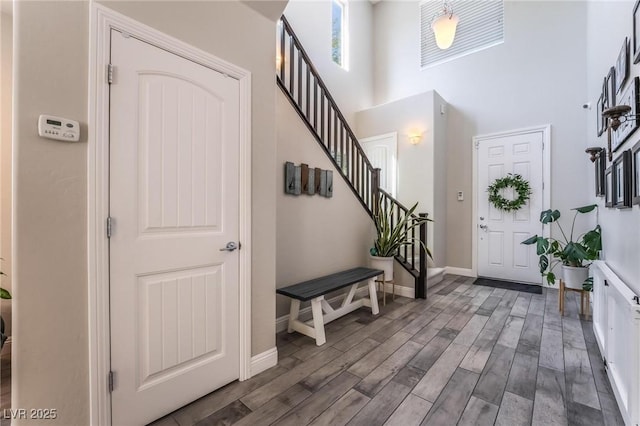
(543, 246)
(530, 240)
(588, 284)
(586, 209)
(551, 278)
(575, 254)
(4, 294)
(548, 216)
(543, 263)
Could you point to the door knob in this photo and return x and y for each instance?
(481, 218)
(484, 227)
(231, 246)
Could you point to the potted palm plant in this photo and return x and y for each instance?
(575, 255)
(392, 235)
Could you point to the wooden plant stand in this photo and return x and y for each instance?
(584, 299)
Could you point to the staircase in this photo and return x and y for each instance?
(309, 96)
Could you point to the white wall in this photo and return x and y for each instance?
(420, 178)
(537, 76)
(608, 24)
(51, 346)
(352, 89)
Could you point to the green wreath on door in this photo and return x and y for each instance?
(518, 184)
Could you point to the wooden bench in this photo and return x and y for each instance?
(315, 290)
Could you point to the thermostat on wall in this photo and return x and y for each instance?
(58, 128)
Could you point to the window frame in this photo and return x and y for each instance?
(344, 33)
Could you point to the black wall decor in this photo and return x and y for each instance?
(635, 159)
(608, 187)
(622, 65)
(600, 164)
(627, 128)
(622, 180)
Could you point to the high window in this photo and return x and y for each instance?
(339, 32)
(481, 26)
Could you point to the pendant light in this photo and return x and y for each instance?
(444, 26)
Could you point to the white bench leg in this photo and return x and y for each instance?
(293, 314)
(318, 321)
(373, 296)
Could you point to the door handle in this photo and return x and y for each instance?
(231, 246)
(484, 227)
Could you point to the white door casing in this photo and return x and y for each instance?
(382, 152)
(498, 235)
(173, 203)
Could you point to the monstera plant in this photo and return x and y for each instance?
(573, 253)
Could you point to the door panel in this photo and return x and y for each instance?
(382, 152)
(500, 252)
(174, 184)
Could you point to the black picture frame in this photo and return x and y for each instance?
(622, 66)
(600, 164)
(610, 81)
(627, 128)
(635, 159)
(636, 33)
(608, 187)
(599, 117)
(622, 180)
(605, 95)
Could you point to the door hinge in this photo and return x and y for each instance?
(542, 185)
(477, 144)
(109, 227)
(604, 361)
(606, 284)
(110, 74)
(110, 378)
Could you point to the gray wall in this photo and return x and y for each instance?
(6, 71)
(316, 236)
(608, 24)
(537, 76)
(50, 276)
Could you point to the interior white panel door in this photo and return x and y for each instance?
(382, 152)
(174, 203)
(500, 252)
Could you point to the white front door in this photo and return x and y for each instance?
(382, 152)
(174, 203)
(500, 252)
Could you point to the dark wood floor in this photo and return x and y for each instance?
(467, 355)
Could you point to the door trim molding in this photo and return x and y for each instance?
(546, 178)
(102, 20)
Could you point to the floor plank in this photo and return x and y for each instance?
(374, 358)
(478, 412)
(378, 378)
(380, 408)
(410, 413)
(343, 410)
(453, 400)
(549, 406)
(523, 376)
(494, 376)
(514, 411)
(438, 376)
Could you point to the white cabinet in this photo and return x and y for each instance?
(616, 324)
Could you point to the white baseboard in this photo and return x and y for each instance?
(403, 291)
(460, 271)
(264, 361)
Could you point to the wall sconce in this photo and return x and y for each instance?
(594, 152)
(614, 117)
(444, 26)
(415, 138)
